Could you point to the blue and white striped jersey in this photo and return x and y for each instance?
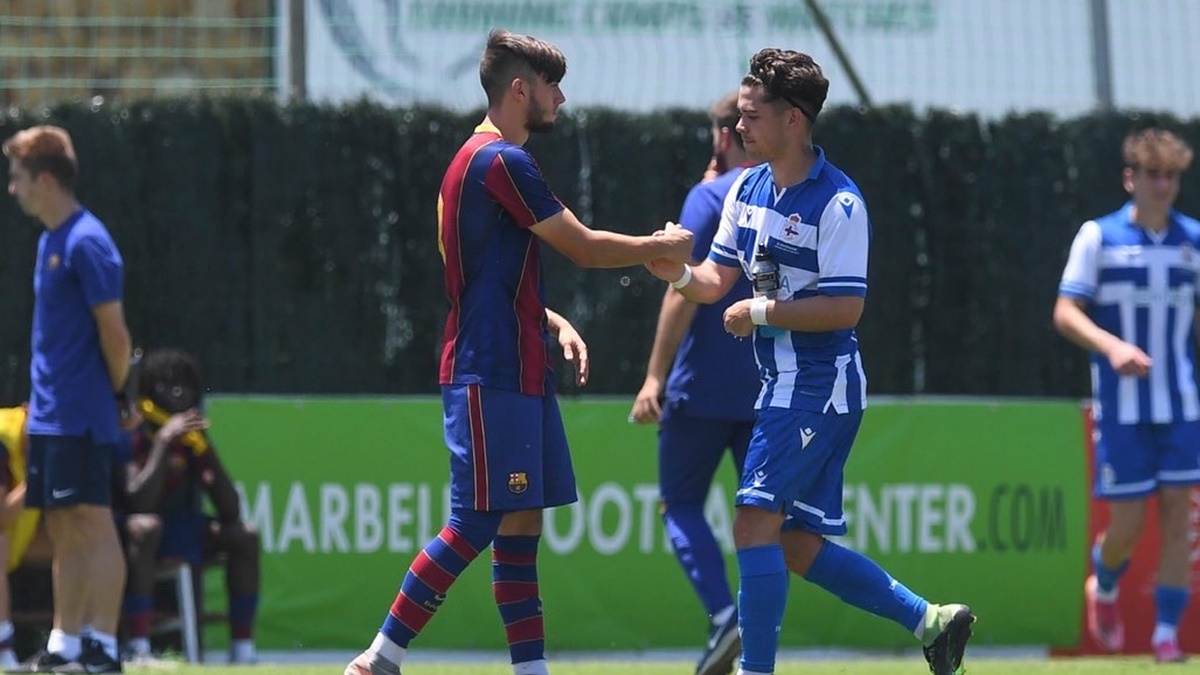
(1141, 287)
(818, 233)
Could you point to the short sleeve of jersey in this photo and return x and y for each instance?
(516, 183)
(724, 249)
(1081, 274)
(701, 215)
(99, 267)
(842, 245)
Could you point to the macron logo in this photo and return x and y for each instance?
(806, 436)
(847, 203)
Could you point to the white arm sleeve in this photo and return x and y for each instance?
(1082, 272)
(843, 241)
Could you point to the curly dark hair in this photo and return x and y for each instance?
(171, 378)
(789, 76)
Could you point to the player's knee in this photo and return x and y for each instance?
(245, 541)
(479, 528)
(144, 529)
(753, 526)
(800, 549)
(522, 523)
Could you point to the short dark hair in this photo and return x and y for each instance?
(791, 76)
(724, 114)
(510, 55)
(45, 149)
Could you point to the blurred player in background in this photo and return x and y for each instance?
(18, 525)
(812, 222)
(508, 450)
(79, 364)
(708, 400)
(1128, 296)
(174, 465)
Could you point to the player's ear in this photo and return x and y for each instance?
(1127, 179)
(724, 139)
(518, 88)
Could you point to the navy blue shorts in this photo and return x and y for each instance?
(68, 471)
(508, 451)
(690, 450)
(183, 536)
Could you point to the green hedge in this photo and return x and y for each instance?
(293, 248)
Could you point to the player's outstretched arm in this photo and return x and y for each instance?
(705, 283)
(603, 249)
(573, 346)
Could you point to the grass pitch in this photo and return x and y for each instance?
(866, 666)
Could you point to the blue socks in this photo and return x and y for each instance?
(1169, 603)
(699, 555)
(1106, 577)
(761, 602)
(859, 581)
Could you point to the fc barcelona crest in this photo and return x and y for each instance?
(518, 482)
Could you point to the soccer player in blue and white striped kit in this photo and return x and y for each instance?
(1128, 296)
(813, 222)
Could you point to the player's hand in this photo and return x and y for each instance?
(180, 424)
(574, 351)
(680, 240)
(645, 406)
(1129, 360)
(737, 319)
(129, 416)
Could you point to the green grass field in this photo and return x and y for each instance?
(858, 667)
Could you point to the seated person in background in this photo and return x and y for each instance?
(174, 465)
(18, 525)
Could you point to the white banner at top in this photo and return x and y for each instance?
(985, 56)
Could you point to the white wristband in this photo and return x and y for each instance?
(758, 311)
(685, 279)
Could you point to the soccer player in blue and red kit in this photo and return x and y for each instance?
(80, 360)
(508, 449)
(707, 401)
(1128, 296)
(812, 222)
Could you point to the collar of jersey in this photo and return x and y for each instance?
(488, 128)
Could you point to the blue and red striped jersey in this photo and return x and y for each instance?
(496, 333)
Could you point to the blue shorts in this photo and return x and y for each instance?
(796, 463)
(508, 451)
(68, 471)
(691, 448)
(183, 536)
(1133, 460)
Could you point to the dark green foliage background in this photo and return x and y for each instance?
(293, 249)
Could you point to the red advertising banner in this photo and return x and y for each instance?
(1137, 585)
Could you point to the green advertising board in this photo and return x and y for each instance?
(977, 502)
